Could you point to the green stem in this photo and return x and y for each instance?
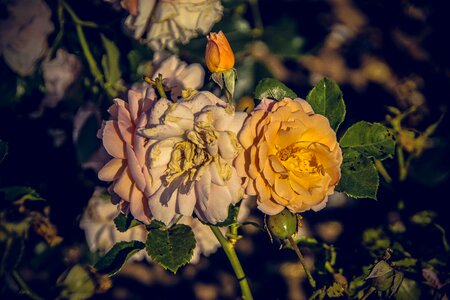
(57, 40)
(234, 260)
(259, 28)
(159, 86)
(95, 70)
(24, 289)
(382, 171)
(75, 18)
(369, 292)
(311, 280)
(401, 164)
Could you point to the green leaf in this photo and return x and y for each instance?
(326, 99)
(424, 217)
(123, 222)
(370, 139)
(77, 284)
(409, 290)
(272, 88)
(3, 150)
(359, 176)
(405, 262)
(111, 63)
(23, 193)
(171, 248)
(113, 261)
(336, 290)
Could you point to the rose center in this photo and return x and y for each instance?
(300, 159)
(190, 157)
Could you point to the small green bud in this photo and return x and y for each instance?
(282, 225)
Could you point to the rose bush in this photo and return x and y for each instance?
(291, 157)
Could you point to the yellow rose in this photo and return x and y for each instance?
(219, 55)
(291, 157)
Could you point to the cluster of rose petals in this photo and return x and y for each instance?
(128, 167)
(101, 232)
(162, 23)
(173, 158)
(177, 74)
(24, 34)
(291, 158)
(98, 225)
(193, 145)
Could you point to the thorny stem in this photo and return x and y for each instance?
(24, 289)
(234, 260)
(311, 280)
(382, 171)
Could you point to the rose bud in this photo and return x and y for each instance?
(283, 225)
(219, 55)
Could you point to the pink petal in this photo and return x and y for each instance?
(122, 186)
(135, 169)
(111, 170)
(112, 141)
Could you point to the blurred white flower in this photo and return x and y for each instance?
(59, 74)
(101, 233)
(98, 225)
(162, 23)
(24, 35)
(177, 74)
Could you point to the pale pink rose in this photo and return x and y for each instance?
(24, 34)
(128, 169)
(291, 158)
(162, 23)
(171, 158)
(190, 161)
(177, 74)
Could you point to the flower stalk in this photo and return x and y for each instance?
(24, 289)
(235, 263)
(311, 280)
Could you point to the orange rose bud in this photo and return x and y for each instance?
(219, 55)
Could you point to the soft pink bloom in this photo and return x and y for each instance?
(177, 74)
(193, 145)
(171, 158)
(128, 168)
